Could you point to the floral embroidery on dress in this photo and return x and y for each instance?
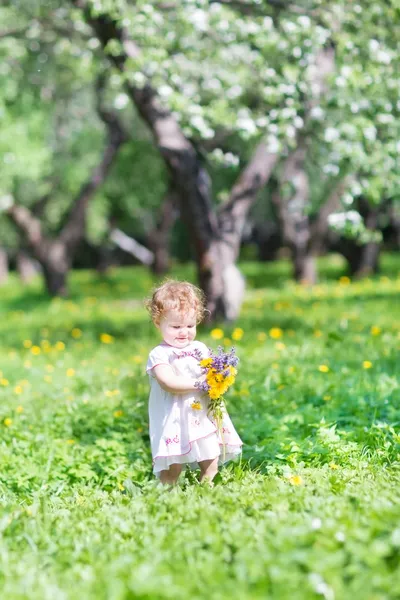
(196, 353)
(174, 440)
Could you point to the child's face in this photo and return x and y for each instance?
(178, 329)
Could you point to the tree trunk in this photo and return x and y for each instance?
(27, 268)
(304, 266)
(3, 266)
(158, 238)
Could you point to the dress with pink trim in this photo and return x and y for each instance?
(181, 431)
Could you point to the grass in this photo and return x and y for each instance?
(311, 511)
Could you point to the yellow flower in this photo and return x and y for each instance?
(206, 362)
(18, 389)
(237, 334)
(70, 441)
(217, 334)
(27, 344)
(280, 346)
(296, 480)
(196, 406)
(49, 368)
(7, 422)
(317, 333)
(262, 336)
(281, 387)
(367, 364)
(375, 330)
(19, 409)
(137, 359)
(327, 398)
(27, 364)
(275, 366)
(121, 487)
(70, 372)
(118, 413)
(275, 333)
(76, 333)
(35, 350)
(344, 280)
(4, 381)
(227, 342)
(105, 338)
(323, 368)
(48, 378)
(59, 346)
(333, 466)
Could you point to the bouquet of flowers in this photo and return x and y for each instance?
(220, 371)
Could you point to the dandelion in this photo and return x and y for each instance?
(333, 466)
(262, 336)
(296, 480)
(196, 406)
(275, 333)
(345, 280)
(48, 378)
(71, 442)
(275, 366)
(281, 387)
(317, 333)
(375, 330)
(280, 346)
(18, 389)
(70, 372)
(121, 487)
(49, 368)
(323, 368)
(367, 364)
(27, 344)
(27, 364)
(237, 334)
(137, 359)
(35, 350)
(19, 409)
(4, 381)
(59, 346)
(106, 338)
(7, 422)
(217, 334)
(327, 398)
(118, 413)
(76, 333)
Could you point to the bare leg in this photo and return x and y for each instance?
(171, 475)
(209, 469)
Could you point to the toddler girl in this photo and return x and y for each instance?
(181, 431)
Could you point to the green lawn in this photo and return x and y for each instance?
(311, 511)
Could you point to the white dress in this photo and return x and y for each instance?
(179, 432)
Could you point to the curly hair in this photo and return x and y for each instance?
(176, 295)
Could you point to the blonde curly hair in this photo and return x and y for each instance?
(176, 295)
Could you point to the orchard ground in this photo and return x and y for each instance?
(311, 511)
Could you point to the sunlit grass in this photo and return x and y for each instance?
(312, 510)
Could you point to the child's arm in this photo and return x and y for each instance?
(175, 384)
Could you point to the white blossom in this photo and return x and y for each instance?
(304, 21)
(317, 113)
(120, 101)
(331, 134)
(370, 133)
